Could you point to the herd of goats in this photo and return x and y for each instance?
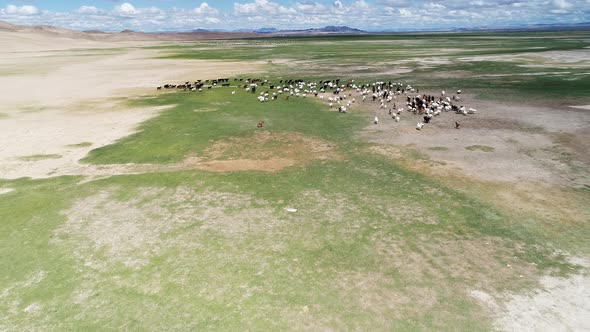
(340, 95)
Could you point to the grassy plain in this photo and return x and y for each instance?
(374, 244)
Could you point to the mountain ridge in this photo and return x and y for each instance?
(203, 33)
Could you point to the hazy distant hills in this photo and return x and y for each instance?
(532, 27)
(200, 34)
(325, 30)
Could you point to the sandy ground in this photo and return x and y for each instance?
(59, 78)
(53, 99)
(559, 304)
(528, 142)
(5, 190)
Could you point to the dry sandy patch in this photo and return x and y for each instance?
(559, 304)
(102, 230)
(55, 132)
(521, 142)
(5, 190)
(68, 79)
(55, 100)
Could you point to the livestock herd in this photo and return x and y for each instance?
(342, 96)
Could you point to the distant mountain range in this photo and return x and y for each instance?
(528, 27)
(202, 33)
(351, 31)
(325, 30)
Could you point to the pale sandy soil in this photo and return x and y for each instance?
(53, 132)
(569, 59)
(60, 78)
(527, 140)
(56, 93)
(5, 190)
(559, 304)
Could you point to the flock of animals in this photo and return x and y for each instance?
(342, 96)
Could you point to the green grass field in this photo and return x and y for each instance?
(372, 246)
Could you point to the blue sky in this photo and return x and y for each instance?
(184, 15)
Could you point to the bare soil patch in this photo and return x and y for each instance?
(534, 197)
(102, 230)
(80, 101)
(5, 190)
(235, 165)
(56, 132)
(542, 143)
(558, 304)
(450, 262)
(266, 151)
(68, 78)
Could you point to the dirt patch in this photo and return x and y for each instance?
(102, 230)
(80, 102)
(539, 143)
(5, 190)
(60, 132)
(376, 292)
(269, 165)
(486, 263)
(66, 77)
(450, 262)
(560, 304)
(266, 151)
(544, 200)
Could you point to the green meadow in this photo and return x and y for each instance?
(372, 245)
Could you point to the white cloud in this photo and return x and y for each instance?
(393, 3)
(432, 5)
(21, 10)
(125, 9)
(562, 4)
(88, 10)
(261, 7)
(205, 9)
(361, 4)
(311, 7)
(150, 10)
(403, 12)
